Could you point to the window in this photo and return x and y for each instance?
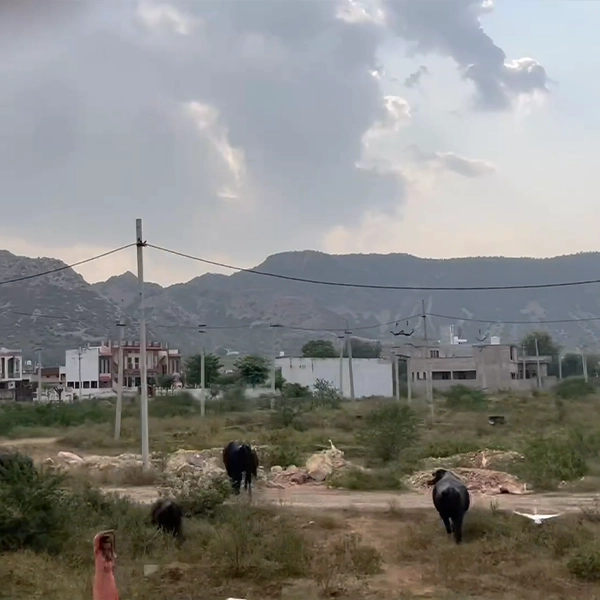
(86, 384)
(424, 375)
(441, 375)
(129, 362)
(464, 375)
(136, 362)
(94, 384)
(513, 353)
(70, 384)
(104, 366)
(76, 386)
(434, 354)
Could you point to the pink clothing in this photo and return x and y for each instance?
(105, 586)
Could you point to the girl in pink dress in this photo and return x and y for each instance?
(105, 586)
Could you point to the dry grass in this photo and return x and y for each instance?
(272, 553)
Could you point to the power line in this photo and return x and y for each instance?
(503, 322)
(376, 286)
(289, 327)
(261, 326)
(64, 267)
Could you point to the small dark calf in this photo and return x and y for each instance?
(240, 460)
(13, 464)
(168, 517)
(451, 499)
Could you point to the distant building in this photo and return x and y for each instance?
(97, 366)
(11, 368)
(492, 366)
(372, 376)
(13, 385)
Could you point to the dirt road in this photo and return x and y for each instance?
(326, 499)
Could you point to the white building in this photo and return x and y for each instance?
(372, 376)
(82, 365)
(11, 367)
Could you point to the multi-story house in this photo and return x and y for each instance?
(97, 367)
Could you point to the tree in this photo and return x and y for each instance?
(546, 344)
(364, 349)
(253, 369)
(193, 369)
(319, 349)
(546, 347)
(165, 381)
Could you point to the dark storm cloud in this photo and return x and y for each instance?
(98, 130)
(452, 28)
(115, 110)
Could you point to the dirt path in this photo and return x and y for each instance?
(326, 499)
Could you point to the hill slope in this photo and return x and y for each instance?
(244, 299)
(57, 311)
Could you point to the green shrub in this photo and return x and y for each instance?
(287, 411)
(573, 388)
(180, 404)
(585, 564)
(388, 430)
(367, 480)
(33, 511)
(282, 450)
(446, 448)
(242, 530)
(197, 497)
(14, 416)
(461, 397)
(548, 461)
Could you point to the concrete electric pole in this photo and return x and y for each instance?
(140, 243)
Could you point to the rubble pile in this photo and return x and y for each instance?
(203, 466)
(65, 461)
(319, 467)
(482, 459)
(479, 481)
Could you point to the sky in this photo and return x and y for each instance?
(237, 129)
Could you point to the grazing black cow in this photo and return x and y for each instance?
(240, 459)
(451, 499)
(168, 516)
(13, 463)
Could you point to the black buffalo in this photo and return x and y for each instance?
(167, 515)
(14, 464)
(239, 460)
(451, 499)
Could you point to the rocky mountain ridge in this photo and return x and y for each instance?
(239, 308)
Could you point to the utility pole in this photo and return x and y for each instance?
(537, 360)
(408, 381)
(584, 364)
(79, 355)
(140, 243)
(342, 339)
(397, 376)
(39, 373)
(524, 362)
(273, 326)
(348, 335)
(559, 366)
(424, 317)
(121, 328)
(202, 374)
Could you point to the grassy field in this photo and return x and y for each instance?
(47, 525)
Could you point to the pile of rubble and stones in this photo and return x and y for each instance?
(202, 466)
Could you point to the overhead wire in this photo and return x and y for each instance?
(64, 267)
(326, 329)
(373, 286)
